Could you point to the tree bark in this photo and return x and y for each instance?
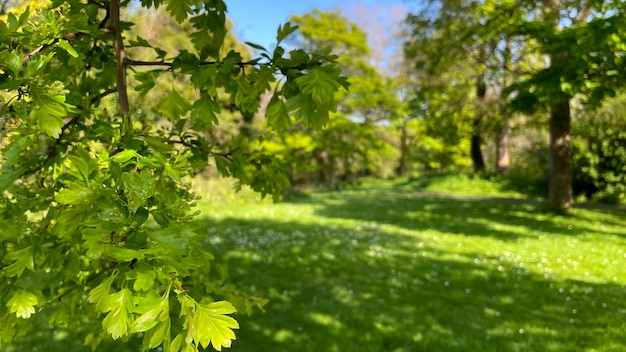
(404, 150)
(476, 153)
(114, 12)
(560, 195)
(476, 140)
(560, 169)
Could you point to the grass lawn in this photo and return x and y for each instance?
(369, 270)
(382, 268)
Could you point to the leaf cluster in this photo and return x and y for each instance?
(94, 208)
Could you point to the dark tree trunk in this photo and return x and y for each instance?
(560, 168)
(404, 150)
(477, 155)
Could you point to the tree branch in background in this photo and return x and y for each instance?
(119, 56)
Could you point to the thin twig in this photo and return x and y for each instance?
(42, 47)
(103, 94)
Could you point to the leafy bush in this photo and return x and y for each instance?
(599, 153)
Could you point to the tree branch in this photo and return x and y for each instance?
(102, 6)
(119, 56)
(131, 62)
(42, 47)
(583, 14)
(304, 66)
(53, 152)
(103, 94)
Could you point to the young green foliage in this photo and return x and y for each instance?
(93, 210)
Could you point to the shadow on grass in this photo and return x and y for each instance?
(369, 288)
(531, 185)
(367, 275)
(498, 218)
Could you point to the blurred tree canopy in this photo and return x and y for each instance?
(574, 50)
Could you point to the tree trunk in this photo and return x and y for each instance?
(476, 153)
(503, 158)
(401, 169)
(476, 140)
(560, 169)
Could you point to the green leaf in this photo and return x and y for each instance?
(49, 118)
(124, 156)
(98, 293)
(138, 187)
(150, 3)
(13, 24)
(256, 46)
(68, 47)
(160, 219)
(277, 114)
(147, 79)
(38, 63)
(10, 230)
(8, 177)
(24, 16)
(159, 335)
(141, 216)
(321, 83)
(12, 60)
(50, 124)
(144, 280)
(3, 29)
(23, 304)
(117, 323)
(204, 111)
(177, 343)
(84, 163)
(175, 237)
(180, 9)
(171, 172)
(307, 111)
(173, 106)
(223, 165)
(139, 42)
(75, 195)
(121, 254)
(213, 326)
(158, 144)
(157, 313)
(21, 259)
(284, 31)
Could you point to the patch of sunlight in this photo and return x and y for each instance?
(505, 300)
(283, 335)
(509, 330)
(60, 335)
(437, 329)
(326, 320)
(383, 327)
(345, 296)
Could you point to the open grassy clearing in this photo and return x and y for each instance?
(367, 270)
(378, 268)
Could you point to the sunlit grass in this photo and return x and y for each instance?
(463, 184)
(370, 270)
(380, 267)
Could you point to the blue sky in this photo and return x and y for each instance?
(257, 21)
